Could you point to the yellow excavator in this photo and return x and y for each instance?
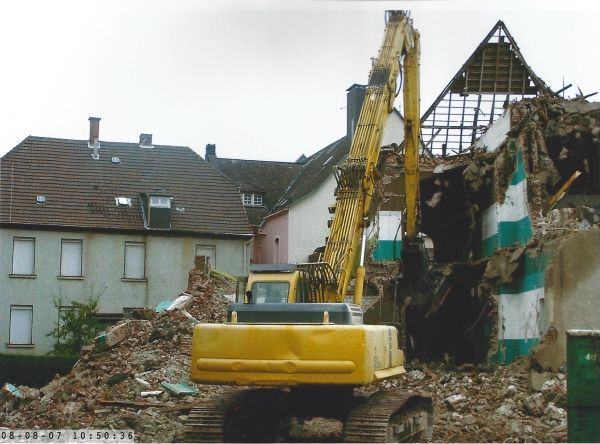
(291, 346)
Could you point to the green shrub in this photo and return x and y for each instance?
(75, 327)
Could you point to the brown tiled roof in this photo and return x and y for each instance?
(270, 178)
(317, 169)
(81, 191)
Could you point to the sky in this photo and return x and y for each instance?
(262, 79)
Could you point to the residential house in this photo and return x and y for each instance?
(122, 221)
(292, 222)
(261, 184)
(303, 208)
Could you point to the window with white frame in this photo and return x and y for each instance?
(70, 257)
(160, 202)
(23, 256)
(135, 259)
(252, 200)
(21, 325)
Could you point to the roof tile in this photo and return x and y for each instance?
(81, 191)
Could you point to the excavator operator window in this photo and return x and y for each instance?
(270, 291)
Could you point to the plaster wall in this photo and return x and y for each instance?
(572, 296)
(496, 134)
(308, 221)
(394, 130)
(508, 222)
(168, 261)
(276, 239)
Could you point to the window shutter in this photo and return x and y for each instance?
(24, 256)
(21, 323)
(70, 260)
(134, 261)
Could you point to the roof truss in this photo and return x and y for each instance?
(495, 74)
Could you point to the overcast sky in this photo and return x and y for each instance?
(260, 79)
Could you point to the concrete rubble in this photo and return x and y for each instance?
(134, 376)
(132, 385)
(489, 403)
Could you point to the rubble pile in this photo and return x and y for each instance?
(513, 403)
(135, 376)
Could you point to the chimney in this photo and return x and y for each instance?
(211, 151)
(94, 131)
(146, 141)
(354, 101)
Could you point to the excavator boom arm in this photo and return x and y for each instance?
(356, 178)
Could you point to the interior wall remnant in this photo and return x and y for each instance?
(450, 329)
(549, 140)
(446, 218)
(492, 216)
(571, 293)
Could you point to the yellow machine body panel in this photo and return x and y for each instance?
(294, 354)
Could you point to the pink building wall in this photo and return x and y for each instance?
(274, 243)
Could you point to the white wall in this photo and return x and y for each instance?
(168, 262)
(308, 222)
(496, 134)
(308, 218)
(394, 130)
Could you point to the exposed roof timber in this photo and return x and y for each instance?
(477, 95)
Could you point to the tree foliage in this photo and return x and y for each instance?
(76, 326)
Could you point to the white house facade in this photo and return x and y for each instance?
(120, 222)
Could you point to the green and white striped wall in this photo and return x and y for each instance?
(509, 222)
(521, 312)
(520, 304)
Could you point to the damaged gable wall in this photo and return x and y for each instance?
(502, 245)
(549, 140)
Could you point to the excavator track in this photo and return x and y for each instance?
(242, 415)
(252, 415)
(206, 423)
(392, 416)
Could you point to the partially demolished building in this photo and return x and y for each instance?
(509, 204)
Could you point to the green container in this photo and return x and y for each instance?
(583, 385)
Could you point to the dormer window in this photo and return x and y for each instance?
(157, 210)
(252, 200)
(160, 202)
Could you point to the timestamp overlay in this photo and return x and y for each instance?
(66, 436)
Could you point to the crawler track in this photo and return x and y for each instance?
(242, 415)
(390, 417)
(253, 415)
(206, 423)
